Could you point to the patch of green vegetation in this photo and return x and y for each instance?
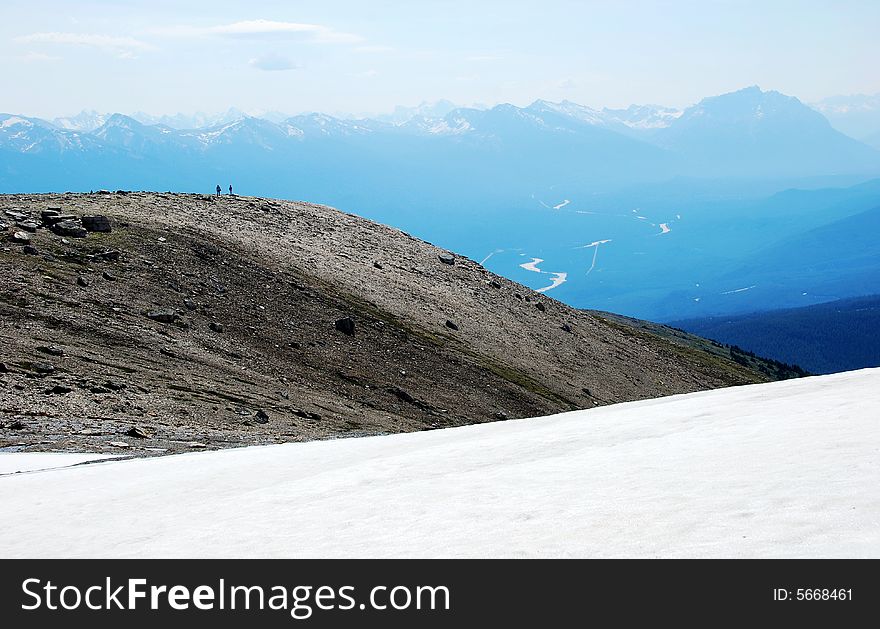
(522, 380)
(693, 349)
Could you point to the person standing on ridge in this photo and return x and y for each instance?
(230, 189)
(218, 189)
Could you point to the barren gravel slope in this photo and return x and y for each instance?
(83, 362)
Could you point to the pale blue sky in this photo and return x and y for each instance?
(163, 56)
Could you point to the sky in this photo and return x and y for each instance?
(359, 58)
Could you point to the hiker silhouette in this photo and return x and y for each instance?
(230, 189)
(218, 189)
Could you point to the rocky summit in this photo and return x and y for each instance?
(147, 323)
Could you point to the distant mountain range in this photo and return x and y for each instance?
(648, 211)
(749, 133)
(836, 336)
(857, 115)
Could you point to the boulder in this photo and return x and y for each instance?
(20, 237)
(138, 433)
(345, 325)
(261, 416)
(51, 219)
(30, 250)
(96, 223)
(71, 228)
(540, 306)
(110, 256)
(163, 316)
(445, 258)
(216, 327)
(451, 325)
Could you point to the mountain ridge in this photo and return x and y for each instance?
(234, 320)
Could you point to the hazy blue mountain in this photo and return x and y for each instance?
(755, 133)
(401, 114)
(873, 140)
(825, 338)
(643, 121)
(857, 115)
(83, 121)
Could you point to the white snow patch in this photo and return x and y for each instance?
(785, 469)
(664, 229)
(12, 462)
(13, 121)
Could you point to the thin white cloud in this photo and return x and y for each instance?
(267, 29)
(125, 47)
(37, 57)
(272, 63)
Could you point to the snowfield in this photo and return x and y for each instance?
(788, 469)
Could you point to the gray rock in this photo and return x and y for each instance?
(138, 433)
(261, 416)
(495, 284)
(540, 306)
(110, 256)
(566, 327)
(30, 250)
(52, 350)
(378, 265)
(451, 325)
(306, 415)
(108, 276)
(51, 219)
(445, 258)
(71, 228)
(28, 226)
(60, 389)
(16, 216)
(96, 223)
(4, 368)
(345, 325)
(20, 237)
(44, 368)
(163, 316)
(81, 281)
(216, 327)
